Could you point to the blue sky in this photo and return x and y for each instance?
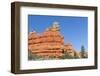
(74, 29)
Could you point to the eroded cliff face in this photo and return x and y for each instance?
(49, 43)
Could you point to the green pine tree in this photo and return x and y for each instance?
(83, 52)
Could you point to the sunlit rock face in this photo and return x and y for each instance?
(68, 48)
(49, 43)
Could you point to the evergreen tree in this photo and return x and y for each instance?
(82, 51)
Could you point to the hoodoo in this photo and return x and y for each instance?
(48, 43)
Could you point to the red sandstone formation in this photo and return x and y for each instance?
(69, 49)
(49, 43)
